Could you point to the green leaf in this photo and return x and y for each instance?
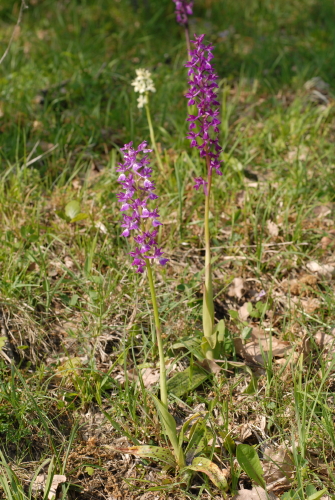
(154, 452)
(186, 426)
(290, 495)
(80, 216)
(169, 424)
(219, 329)
(252, 386)
(3, 341)
(205, 346)
(248, 459)
(233, 314)
(314, 495)
(62, 215)
(246, 332)
(310, 490)
(48, 481)
(186, 381)
(198, 442)
(192, 344)
(215, 474)
(89, 471)
(228, 442)
(72, 209)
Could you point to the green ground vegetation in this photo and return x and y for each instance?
(78, 360)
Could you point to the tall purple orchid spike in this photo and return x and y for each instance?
(184, 8)
(204, 127)
(204, 135)
(138, 191)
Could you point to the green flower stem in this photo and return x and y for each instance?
(162, 368)
(188, 44)
(152, 135)
(208, 303)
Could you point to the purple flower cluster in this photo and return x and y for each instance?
(204, 127)
(138, 190)
(184, 8)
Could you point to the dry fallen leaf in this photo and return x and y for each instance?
(236, 288)
(327, 343)
(322, 270)
(278, 466)
(76, 184)
(37, 125)
(300, 153)
(210, 365)
(33, 267)
(46, 146)
(308, 305)
(326, 242)
(318, 464)
(316, 83)
(256, 493)
(243, 432)
(39, 484)
(240, 199)
(56, 481)
(273, 229)
(260, 345)
(301, 286)
(68, 262)
(150, 376)
(322, 211)
(101, 226)
(324, 339)
(243, 312)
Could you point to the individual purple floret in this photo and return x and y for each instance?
(199, 181)
(204, 127)
(138, 189)
(184, 8)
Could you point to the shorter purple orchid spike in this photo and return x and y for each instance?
(138, 189)
(204, 127)
(184, 8)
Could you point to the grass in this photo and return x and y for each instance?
(79, 320)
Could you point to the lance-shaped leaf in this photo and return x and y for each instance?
(169, 424)
(219, 332)
(187, 380)
(215, 474)
(199, 437)
(186, 425)
(248, 459)
(154, 452)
